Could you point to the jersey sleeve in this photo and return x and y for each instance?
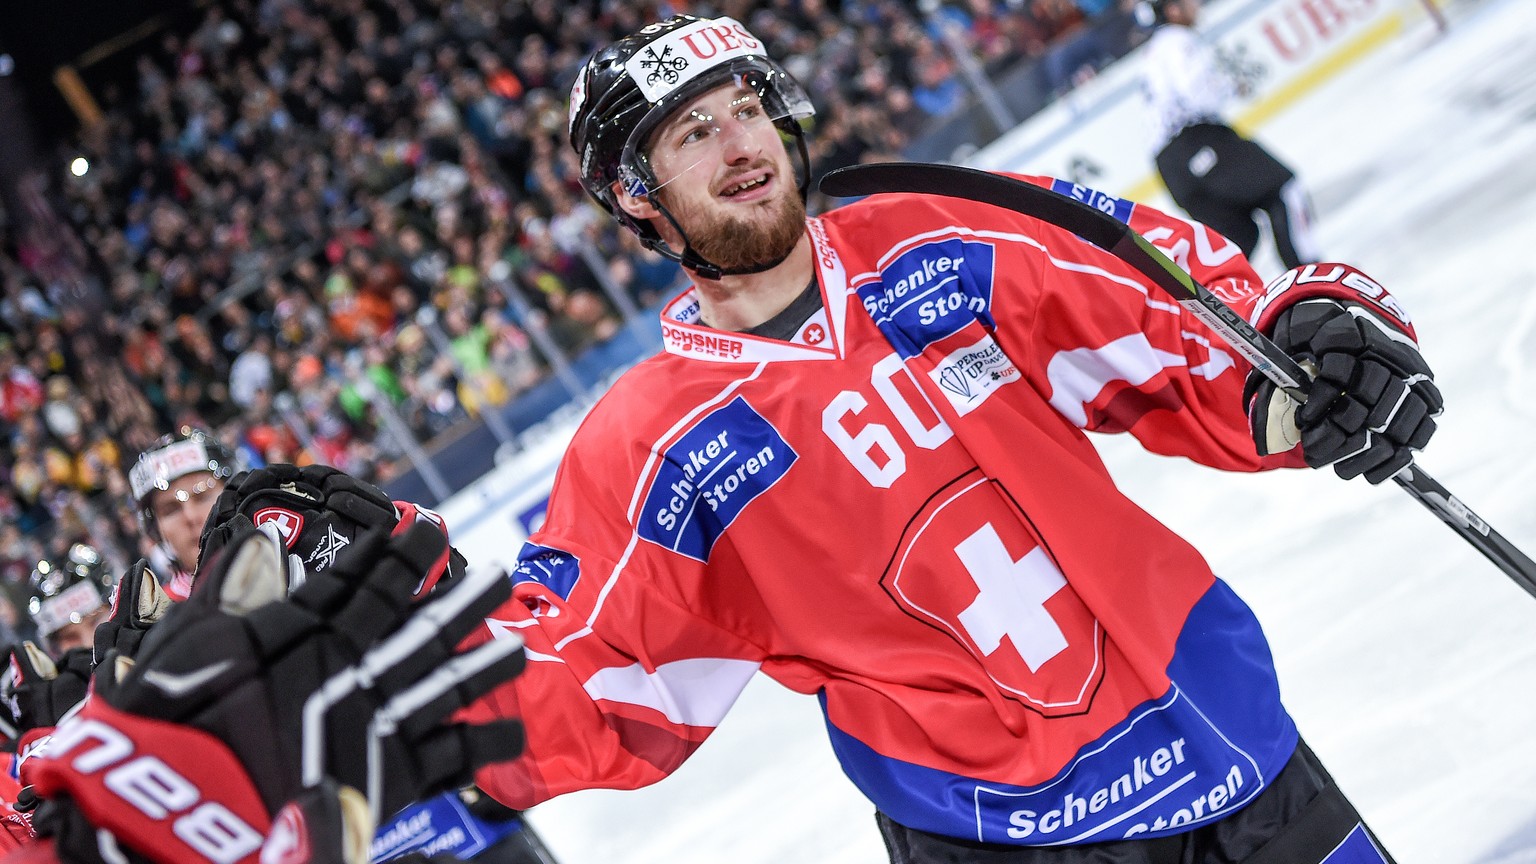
(623, 680)
(1113, 353)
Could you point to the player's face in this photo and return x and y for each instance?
(81, 634)
(180, 511)
(727, 179)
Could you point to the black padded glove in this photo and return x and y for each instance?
(138, 602)
(273, 708)
(1373, 400)
(41, 689)
(236, 662)
(317, 509)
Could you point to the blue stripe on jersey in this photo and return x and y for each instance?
(1357, 848)
(1119, 208)
(1206, 747)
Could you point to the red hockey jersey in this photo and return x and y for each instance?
(900, 513)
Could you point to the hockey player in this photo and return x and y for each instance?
(1229, 182)
(69, 599)
(174, 484)
(860, 467)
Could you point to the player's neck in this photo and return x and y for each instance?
(739, 302)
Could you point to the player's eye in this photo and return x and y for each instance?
(696, 135)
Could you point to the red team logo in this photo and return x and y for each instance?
(814, 334)
(289, 524)
(969, 564)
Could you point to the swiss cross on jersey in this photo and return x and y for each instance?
(1015, 613)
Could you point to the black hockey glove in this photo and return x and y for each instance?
(318, 510)
(254, 700)
(1373, 400)
(39, 690)
(138, 602)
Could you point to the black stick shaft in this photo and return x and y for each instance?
(1110, 234)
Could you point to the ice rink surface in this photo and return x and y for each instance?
(1407, 659)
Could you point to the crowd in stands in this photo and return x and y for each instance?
(279, 194)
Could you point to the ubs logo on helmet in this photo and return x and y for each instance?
(681, 55)
(662, 66)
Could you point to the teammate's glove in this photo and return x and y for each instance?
(318, 510)
(138, 602)
(40, 690)
(1371, 404)
(252, 701)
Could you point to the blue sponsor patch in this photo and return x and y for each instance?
(931, 292)
(731, 456)
(1116, 207)
(437, 826)
(552, 568)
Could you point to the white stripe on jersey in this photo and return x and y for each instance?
(694, 692)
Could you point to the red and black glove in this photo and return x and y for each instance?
(319, 511)
(245, 699)
(138, 602)
(1373, 399)
(39, 690)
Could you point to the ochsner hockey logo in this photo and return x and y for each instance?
(968, 376)
(709, 475)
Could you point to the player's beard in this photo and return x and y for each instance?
(738, 243)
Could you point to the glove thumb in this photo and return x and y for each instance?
(326, 824)
(33, 663)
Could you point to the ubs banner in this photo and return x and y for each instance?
(1101, 136)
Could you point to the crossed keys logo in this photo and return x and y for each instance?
(662, 67)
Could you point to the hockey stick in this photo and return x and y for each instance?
(1109, 233)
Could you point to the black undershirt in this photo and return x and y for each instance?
(789, 321)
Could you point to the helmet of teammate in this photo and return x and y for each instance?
(626, 91)
(67, 591)
(170, 458)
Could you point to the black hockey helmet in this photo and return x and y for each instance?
(67, 592)
(173, 456)
(625, 92)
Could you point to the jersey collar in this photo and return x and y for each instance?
(819, 338)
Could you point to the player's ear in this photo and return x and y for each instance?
(637, 208)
